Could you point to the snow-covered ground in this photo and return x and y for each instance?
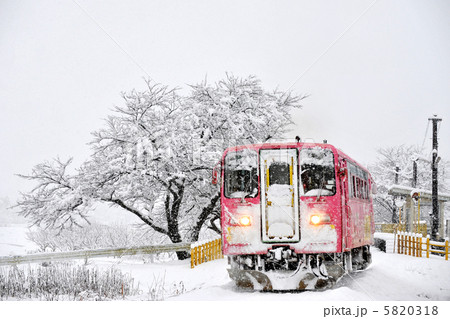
(389, 277)
(13, 240)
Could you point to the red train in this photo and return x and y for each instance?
(295, 216)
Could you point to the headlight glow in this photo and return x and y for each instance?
(318, 219)
(245, 221)
(315, 219)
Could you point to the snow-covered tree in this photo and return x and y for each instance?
(155, 155)
(384, 173)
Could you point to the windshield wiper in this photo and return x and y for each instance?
(322, 183)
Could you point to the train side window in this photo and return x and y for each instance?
(358, 190)
(241, 174)
(350, 186)
(363, 189)
(366, 193)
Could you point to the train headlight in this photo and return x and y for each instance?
(245, 221)
(317, 219)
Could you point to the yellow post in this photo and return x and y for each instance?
(267, 174)
(198, 251)
(419, 240)
(192, 258)
(409, 244)
(401, 243)
(203, 254)
(398, 243)
(218, 248)
(420, 246)
(209, 251)
(416, 248)
(291, 170)
(406, 244)
(197, 255)
(446, 249)
(428, 247)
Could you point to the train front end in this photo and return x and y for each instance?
(281, 216)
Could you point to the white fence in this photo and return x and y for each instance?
(86, 254)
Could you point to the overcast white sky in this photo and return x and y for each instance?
(376, 86)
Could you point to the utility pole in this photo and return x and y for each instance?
(434, 170)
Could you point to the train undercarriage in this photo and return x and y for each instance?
(282, 269)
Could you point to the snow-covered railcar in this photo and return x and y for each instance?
(294, 216)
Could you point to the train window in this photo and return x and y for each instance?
(279, 173)
(358, 186)
(366, 193)
(317, 172)
(353, 186)
(241, 174)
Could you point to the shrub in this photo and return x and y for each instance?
(92, 236)
(62, 281)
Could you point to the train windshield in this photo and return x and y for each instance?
(317, 172)
(241, 174)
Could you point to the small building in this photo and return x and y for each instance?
(411, 207)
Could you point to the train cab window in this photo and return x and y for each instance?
(279, 173)
(317, 172)
(241, 174)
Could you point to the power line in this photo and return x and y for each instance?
(332, 44)
(114, 40)
(426, 132)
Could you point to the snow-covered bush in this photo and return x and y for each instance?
(62, 281)
(92, 236)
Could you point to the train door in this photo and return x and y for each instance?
(279, 195)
